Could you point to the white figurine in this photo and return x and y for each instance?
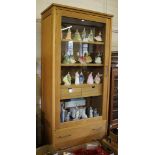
(98, 38)
(91, 36)
(77, 113)
(91, 112)
(77, 82)
(98, 60)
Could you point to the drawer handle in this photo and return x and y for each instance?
(97, 129)
(70, 90)
(64, 136)
(93, 86)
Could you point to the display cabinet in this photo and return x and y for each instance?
(76, 56)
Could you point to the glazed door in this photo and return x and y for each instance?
(82, 50)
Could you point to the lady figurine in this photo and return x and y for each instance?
(67, 79)
(98, 59)
(90, 79)
(98, 38)
(77, 36)
(68, 37)
(84, 35)
(62, 113)
(77, 113)
(90, 112)
(97, 78)
(81, 78)
(95, 113)
(67, 117)
(77, 81)
(91, 36)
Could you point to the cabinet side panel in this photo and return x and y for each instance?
(46, 79)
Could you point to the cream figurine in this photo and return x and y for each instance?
(84, 36)
(97, 78)
(67, 79)
(69, 33)
(77, 80)
(98, 38)
(91, 36)
(98, 60)
(90, 79)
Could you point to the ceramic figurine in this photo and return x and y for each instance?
(90, 79)
(90, 112)
(67, 79)
(88, 58)
(91, 36)
(98, 38)
(97, 78)
(83, 113)
(67, 117)
(77, 113)
(62, 113)
(98, 59)
(81, 78)
(82, 60)
(77, 80)
(72, 60)
(77, 36)
(66, 59)
(68, 37)
(84, 35)
(73, 112)
(95, 113)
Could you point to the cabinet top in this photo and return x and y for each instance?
(76, 9)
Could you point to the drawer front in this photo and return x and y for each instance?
(74, 136)
(67, 93)
(92, 90)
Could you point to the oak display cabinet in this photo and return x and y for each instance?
(75, 113)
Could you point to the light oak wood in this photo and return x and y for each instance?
(53, 91)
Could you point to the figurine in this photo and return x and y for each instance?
(83, 113)
(95, 113)
(98, 59)
(82, 60)
(90, 112)
(77, 36)
(84, 36)
(68, 37)
(72, 60)
(98, 38)
(77, 113)
(81, 78)
(88, 58)
(91, 36)
(66, 59)
(67, 79)
(62, 113)
(73, 112)
(97, 78)
(77, 82)
(90, 79)
(67, 117)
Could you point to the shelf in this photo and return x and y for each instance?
(84, 42)
(75, 65)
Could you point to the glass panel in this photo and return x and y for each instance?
(82, 59)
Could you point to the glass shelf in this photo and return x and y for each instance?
(84, 42)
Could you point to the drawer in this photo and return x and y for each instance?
(92, 90)
(70, 92)
(74, 136)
